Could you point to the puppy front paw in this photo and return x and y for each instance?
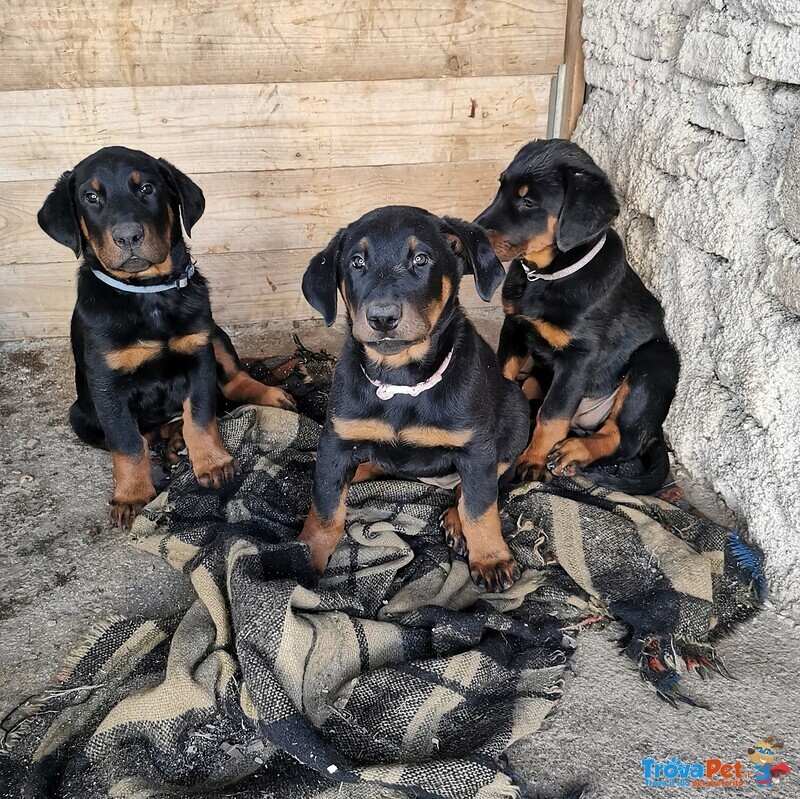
(319, 543)
(124, 508)
(495, 574)
(214, 468)
(133, 486)
(275, 397)
(531, 465)
(568, 457)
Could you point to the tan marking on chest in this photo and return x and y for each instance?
(428, 436)
(363, 430)
(416, 435)
(190, 343)
(129, 359)
(556, 337)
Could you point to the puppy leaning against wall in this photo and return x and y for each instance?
(602, 364)
(416, 393)
(145, 344)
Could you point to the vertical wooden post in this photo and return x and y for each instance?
(574, 84)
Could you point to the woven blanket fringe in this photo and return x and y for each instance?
(751, 561)
(13, 725)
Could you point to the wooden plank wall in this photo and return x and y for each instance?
(294, 116)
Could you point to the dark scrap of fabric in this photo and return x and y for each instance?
(395, 674)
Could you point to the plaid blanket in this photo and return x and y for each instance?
(393, 676)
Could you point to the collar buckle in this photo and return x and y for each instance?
(183, 281)
(532, 275)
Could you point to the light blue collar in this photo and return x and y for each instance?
(181, 283)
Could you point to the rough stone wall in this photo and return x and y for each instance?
(693, 110)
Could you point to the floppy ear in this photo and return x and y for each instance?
(190, 195)
(57, 216)
(319, 280)
(470, 244)
(589, 208)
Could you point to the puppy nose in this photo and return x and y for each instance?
(384, 316)
(128, 234)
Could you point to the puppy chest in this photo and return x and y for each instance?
(149, 349)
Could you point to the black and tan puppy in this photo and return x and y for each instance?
(146, 347)
(602, 362)
(416, 392)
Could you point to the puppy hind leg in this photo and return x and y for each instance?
(639, 410)
(236, 384)
(652, 378)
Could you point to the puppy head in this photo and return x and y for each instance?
(124, 207)
(398, 271)
(552, 197)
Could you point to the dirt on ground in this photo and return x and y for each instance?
(64, 567)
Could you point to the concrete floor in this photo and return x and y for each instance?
(63, 566)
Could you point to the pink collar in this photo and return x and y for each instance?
(532, 274)
(386, 390)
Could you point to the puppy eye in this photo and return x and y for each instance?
(147, 188)
(421, 259)
(358, 262)
(91, 198)
(528, 202)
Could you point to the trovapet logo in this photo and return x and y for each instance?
(760, 768)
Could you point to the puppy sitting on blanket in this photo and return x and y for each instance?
(145, 344)
(603, 365)
(416, 392)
